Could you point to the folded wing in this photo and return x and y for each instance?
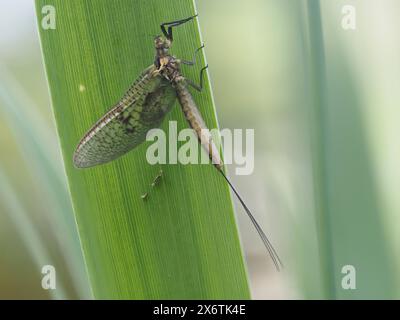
(125, 126)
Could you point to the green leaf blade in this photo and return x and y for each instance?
(181, 242)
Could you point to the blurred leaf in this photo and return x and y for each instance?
(29, 234)
(38, 146)
(348, 211)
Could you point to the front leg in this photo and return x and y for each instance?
(166, 27)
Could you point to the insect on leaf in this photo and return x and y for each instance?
(182, 241)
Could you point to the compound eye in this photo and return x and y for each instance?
(158, 42)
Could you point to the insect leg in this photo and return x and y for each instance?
(157, 179)
(193, 61)
(144, 195)
(198, 87)
(168, 32)
(155, 182)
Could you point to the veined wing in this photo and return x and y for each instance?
(124, 127)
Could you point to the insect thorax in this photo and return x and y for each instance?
(169, 67)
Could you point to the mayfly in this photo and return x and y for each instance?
(144, 106)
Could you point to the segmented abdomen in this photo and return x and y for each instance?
(197, 123)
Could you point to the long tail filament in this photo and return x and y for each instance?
(274, 256)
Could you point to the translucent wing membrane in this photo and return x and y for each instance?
(124, 127)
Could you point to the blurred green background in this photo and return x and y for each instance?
(324, 103)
